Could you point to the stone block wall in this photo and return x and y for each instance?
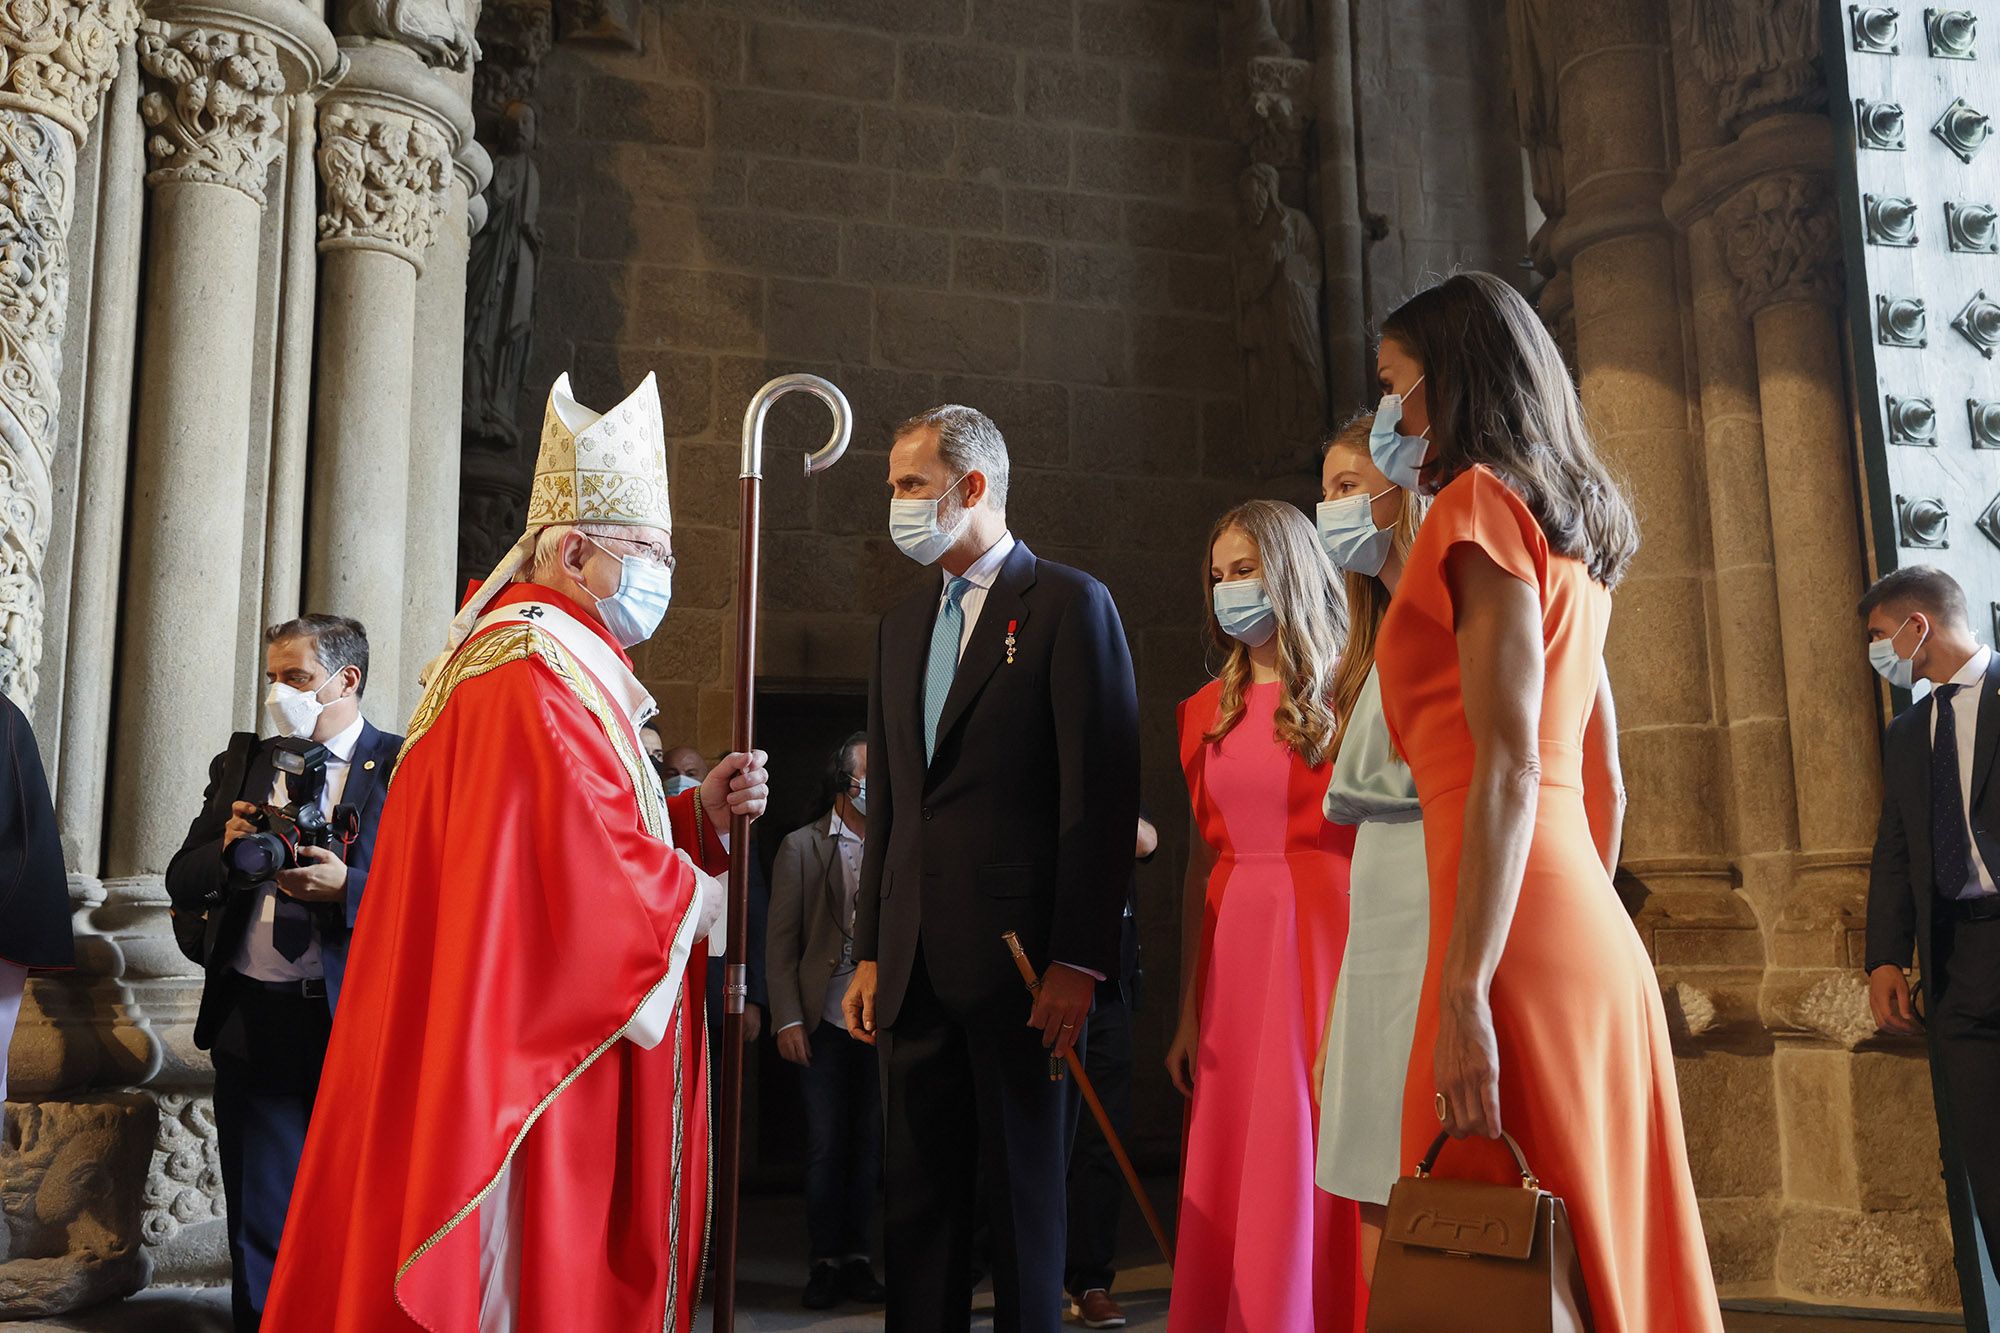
(1025, 205)
(1440, 164)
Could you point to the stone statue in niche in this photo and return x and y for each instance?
(1279, 271)
(1271, 28)
(500, 284)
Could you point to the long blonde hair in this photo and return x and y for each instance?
(1367, 595)
(1312, 617)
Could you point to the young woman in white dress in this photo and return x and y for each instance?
(1366, 525)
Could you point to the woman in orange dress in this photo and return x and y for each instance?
(1540, 1012)
(1260, 1249)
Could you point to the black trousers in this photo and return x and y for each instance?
(973, 1120)
(1096, 1186)
(1966, 1032)
(268, 1053)
(842, 1089)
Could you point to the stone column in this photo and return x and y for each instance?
(291, 414)
(1631, 362)
(387, 137)
(55, 61)
(214, 104)
(430, 568)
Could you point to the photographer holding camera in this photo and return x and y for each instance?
(266, 890)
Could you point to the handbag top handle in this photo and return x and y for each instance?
(1528, 1180)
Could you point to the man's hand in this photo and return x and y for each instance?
(1889, 1001)
(793, 1045)
(322, 880)
(737, 785)
(1061, 1004)
(859, 1006)
(753, 1021)
(239, 825)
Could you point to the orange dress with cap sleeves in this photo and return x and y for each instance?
(1586, 1071)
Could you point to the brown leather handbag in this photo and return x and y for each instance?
(1459, 1256)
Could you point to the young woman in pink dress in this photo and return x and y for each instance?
(1260, 1249)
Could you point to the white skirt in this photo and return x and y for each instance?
(1374, 1015)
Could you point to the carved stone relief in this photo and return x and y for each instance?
(1760, 57)
(1781, 239)
(212, 106)
(71, 1229)
(440, 31)
(55, 61)
(385, 177)
(1278, 274)
(500, 285)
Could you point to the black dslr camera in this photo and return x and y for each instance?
(283, 829)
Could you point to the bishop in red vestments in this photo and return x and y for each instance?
(511, 1132)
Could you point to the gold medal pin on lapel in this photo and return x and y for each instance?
(1012, 625)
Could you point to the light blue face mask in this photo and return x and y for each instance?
(857, 794)
(1244, 611)
(1400, 456)
(1898, 671)
(1347, 530)
(914, 527)
(634, 611)
(681, 782)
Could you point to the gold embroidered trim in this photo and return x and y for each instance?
(486, 652)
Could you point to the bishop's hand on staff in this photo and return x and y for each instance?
(511, 1130)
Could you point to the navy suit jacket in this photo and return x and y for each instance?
(198, 881)
(1900, 893)
(1023, 819)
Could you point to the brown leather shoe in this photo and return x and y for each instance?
(1096, 1309)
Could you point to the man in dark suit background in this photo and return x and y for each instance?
(274, 951)
(1931, 888)
(1003, 792)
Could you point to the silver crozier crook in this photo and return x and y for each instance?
(729, 1097)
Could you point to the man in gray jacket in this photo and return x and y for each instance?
(810, 959)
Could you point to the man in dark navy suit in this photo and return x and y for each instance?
(1931, 888)
(1003, 783)
(275, 949)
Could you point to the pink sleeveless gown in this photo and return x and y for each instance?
(1261, 1249)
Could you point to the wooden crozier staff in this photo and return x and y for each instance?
(729, 1093)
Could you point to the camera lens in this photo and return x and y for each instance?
(257, 856)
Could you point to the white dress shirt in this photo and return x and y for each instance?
(257, 957)
(1965, 706)
(847, 846)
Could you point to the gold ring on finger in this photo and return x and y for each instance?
(1443, 1108)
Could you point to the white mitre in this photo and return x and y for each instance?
(593, 467)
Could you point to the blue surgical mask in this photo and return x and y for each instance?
(1244, 611)
(857, 794)
(634, 611)
(1347, 530)
(681, 782)
(913, 526)
(1400, 456)
(1898, 671)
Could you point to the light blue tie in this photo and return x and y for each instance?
(943, 663)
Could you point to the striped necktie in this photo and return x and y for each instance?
(943, 663)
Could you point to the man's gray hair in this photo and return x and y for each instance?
(968, 441)
(548, 545)
(337, 642)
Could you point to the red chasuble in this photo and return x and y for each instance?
(522, 907)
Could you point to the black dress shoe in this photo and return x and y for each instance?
(823, 1287)
(858, 1275)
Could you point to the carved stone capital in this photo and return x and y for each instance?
(1781, 239)
(386, 175)
(57, 56)
(212, 104)
(1273, 108)
(1759, 57)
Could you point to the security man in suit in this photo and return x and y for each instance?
(1003, 788)
(1931, 889)
(274, 949)
(811, 961)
